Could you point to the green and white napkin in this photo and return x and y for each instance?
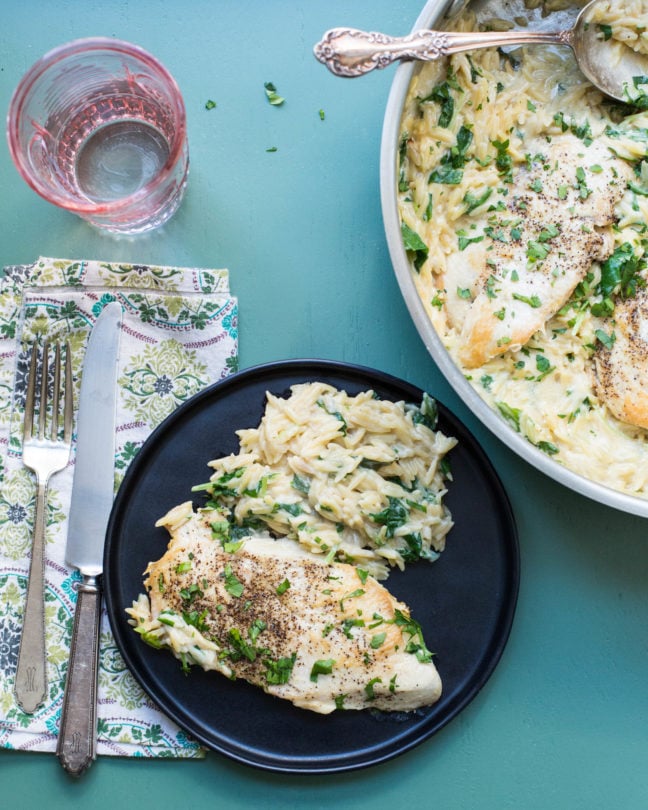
(179, 334)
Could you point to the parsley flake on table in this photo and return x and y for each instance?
(271, 94)
(210, 104)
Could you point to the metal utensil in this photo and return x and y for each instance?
(45, 452)
(92, 497)
(350, 53)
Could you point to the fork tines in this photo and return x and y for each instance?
(31, 400)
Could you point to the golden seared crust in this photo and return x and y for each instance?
(555, 224)
(510, 308)
(346, 640)
(622, 370)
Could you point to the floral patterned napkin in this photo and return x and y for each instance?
(179, 334)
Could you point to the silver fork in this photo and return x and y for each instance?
(45, 452)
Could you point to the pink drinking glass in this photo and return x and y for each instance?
(98, 127)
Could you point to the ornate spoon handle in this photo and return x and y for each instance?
(349, 52)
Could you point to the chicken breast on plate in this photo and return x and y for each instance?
(323, 636)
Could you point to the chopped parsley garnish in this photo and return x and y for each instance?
(511, 414)
(294, 509)
(537, 251)
(503, 160)
(300, 484)
(472, 201)
(378, 640)
(621, 273)
(210, 104)
(192, 592)
(393, 516)
(416, 644)
(437, 301)
(413, 548)
(323, 666)
(607, 340)
(218, 487)
(260, 488)
(543, 364)
(427, 214)
(450, 168)
(183, 567)
(427, 413)
(413, 244)
(532, 300)
(403, 184)
(149, 638)
(257, 627)
(220, 530)
(547, 447)
(348, 624)
(282, 587)
(606, 30)
(369, 688)
(196, 619)
(463, 241)
(232, 585)
(581, 184)
(242, 648)
(446, 175)
(352, 595)
(279, 671)
(442, 95)
(548, 233)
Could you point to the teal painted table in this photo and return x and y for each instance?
(563, 722)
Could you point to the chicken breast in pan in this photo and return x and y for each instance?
(621, 367)
(519, 266)
(323, 636)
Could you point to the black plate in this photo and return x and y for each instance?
(465, 601)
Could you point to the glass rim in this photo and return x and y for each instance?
(20, 94)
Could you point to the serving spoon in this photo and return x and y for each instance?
(349, 52)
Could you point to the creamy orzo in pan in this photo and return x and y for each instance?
(523, 196)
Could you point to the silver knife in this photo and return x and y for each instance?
(92, 497)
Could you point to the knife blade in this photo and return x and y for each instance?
(91, 502)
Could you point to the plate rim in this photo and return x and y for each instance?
(395, 746)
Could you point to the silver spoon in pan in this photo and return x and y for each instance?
(349, 52)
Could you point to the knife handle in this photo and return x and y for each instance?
(77, 740)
